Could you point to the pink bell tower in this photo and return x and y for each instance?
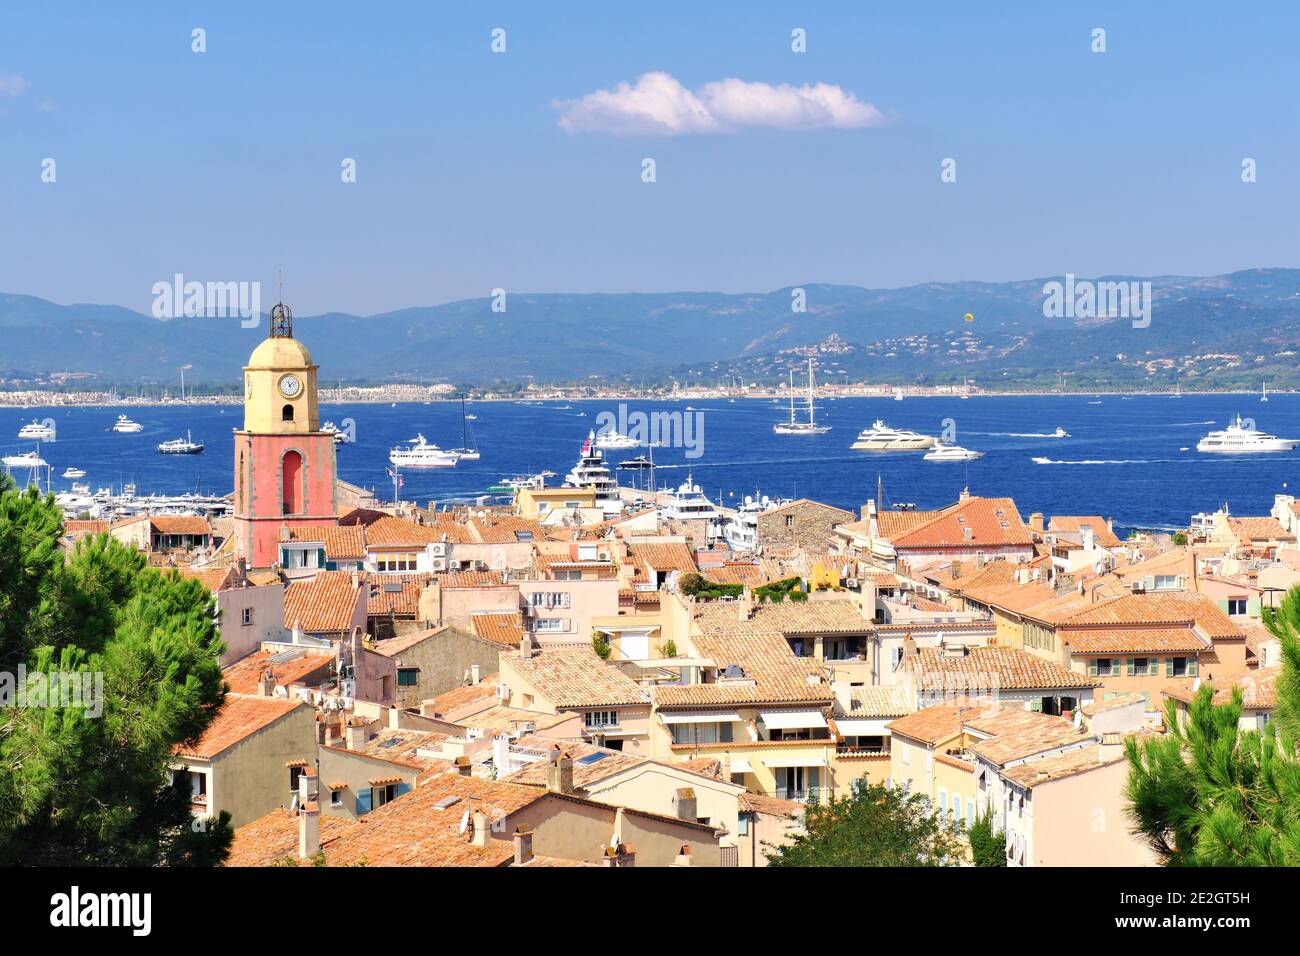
(284, 464)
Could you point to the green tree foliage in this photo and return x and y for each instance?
(878, 825)
(80, 788)
(987, 846)
(1210, 794)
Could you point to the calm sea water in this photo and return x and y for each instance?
(1122, 458)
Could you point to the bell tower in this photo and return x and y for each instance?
(284, 464)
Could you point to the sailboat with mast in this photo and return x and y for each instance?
(466, 451)
(1264, 396)
(809, 427)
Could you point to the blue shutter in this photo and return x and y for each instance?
(403, 788)
(364, 798)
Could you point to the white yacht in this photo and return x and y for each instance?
(880, 437)
(688, 503)
(420, 453)
(340, 436)
(124, 424)
(1242, 438)
(28, 459)
(614, 439)
(1059, 433)
(942, 452)
(740, 532)
(71, 472)
(181, 446)
(37, 432)
(592, 471)
(810, 427)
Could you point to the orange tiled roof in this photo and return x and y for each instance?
(990, 521)
(505, 628)
(1158, 607)
(1258, 689)
(1072, 524)
(990, 668)
(238, 718)
(393, 532)
(214, 579)
(1058, 766)
(662, 557)
(243, 675)
(271, 839)
(326, 602)
(485, 691)
(584, 772)
(179, 524)
(932, 725)
(575, 677)
(1036, 738)
(341, 542)
(1249, 529)
(72, 528)
(1134, 641)
(397, 594)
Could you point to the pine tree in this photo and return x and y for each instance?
(878, 825)
(80, 788)
(1210, 794)
(987, 847)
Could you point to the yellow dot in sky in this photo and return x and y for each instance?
(970, 317)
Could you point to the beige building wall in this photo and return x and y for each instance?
(251, 778)
(1081, 821)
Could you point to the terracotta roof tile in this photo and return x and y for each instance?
(326, 602)
(243, 675)
(1258, 688)
(239, 717)
(575, 677)
(990, 668)
(505, 629)
(1134, 641)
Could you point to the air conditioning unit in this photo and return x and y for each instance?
(503, 692)
(1136, 587)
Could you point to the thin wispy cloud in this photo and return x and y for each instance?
(12, 85)
(658, 105)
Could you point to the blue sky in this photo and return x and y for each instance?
(226, 165)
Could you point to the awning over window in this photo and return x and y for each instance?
(775, 762)
(793, 719)
(699, 717)
(741, 765)
(862, 728)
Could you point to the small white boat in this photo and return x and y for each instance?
(1264, 397)
(80, 488)
(124, 424)
(942, 452)
(898, 394)
(420, 453)
(71, 472)
(1059, 433)
(36, 432)
(181, 446)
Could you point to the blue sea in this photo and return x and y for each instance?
(1122, 459)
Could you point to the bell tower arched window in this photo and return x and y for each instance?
(286, 413)
(291, 482)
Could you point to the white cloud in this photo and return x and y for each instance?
(11, 84)
(657, 104)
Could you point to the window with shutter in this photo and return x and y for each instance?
(1169, 667)
(1191, 667)
(1132, 667)
(364, 800)
(1092, 667)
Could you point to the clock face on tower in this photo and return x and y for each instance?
(290, 386)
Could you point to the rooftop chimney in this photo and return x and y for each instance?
(481, 832)
(266, 683)
(526, 645)
(1036, 522)
(473, 674)
(686, 804)
(309, 830)
(620, 854)
(1112, 745)
(357, 734)
(463, 766)
(523, 845)
(684, 857)
(559, 774)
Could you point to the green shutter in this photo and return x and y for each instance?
(1191, 667)
(1153, 668)
(1252, 607)
(1092, 667)
(1223, 605)
(1132, 667)
(1169, 667)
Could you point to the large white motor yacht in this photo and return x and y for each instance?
(688, 503)
(592, 471)
(1242, 438)
(420, 453)
(181, 446)
(37, 432)
(740, 532)
(614, 439)
(124, 424)
(880, 437)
